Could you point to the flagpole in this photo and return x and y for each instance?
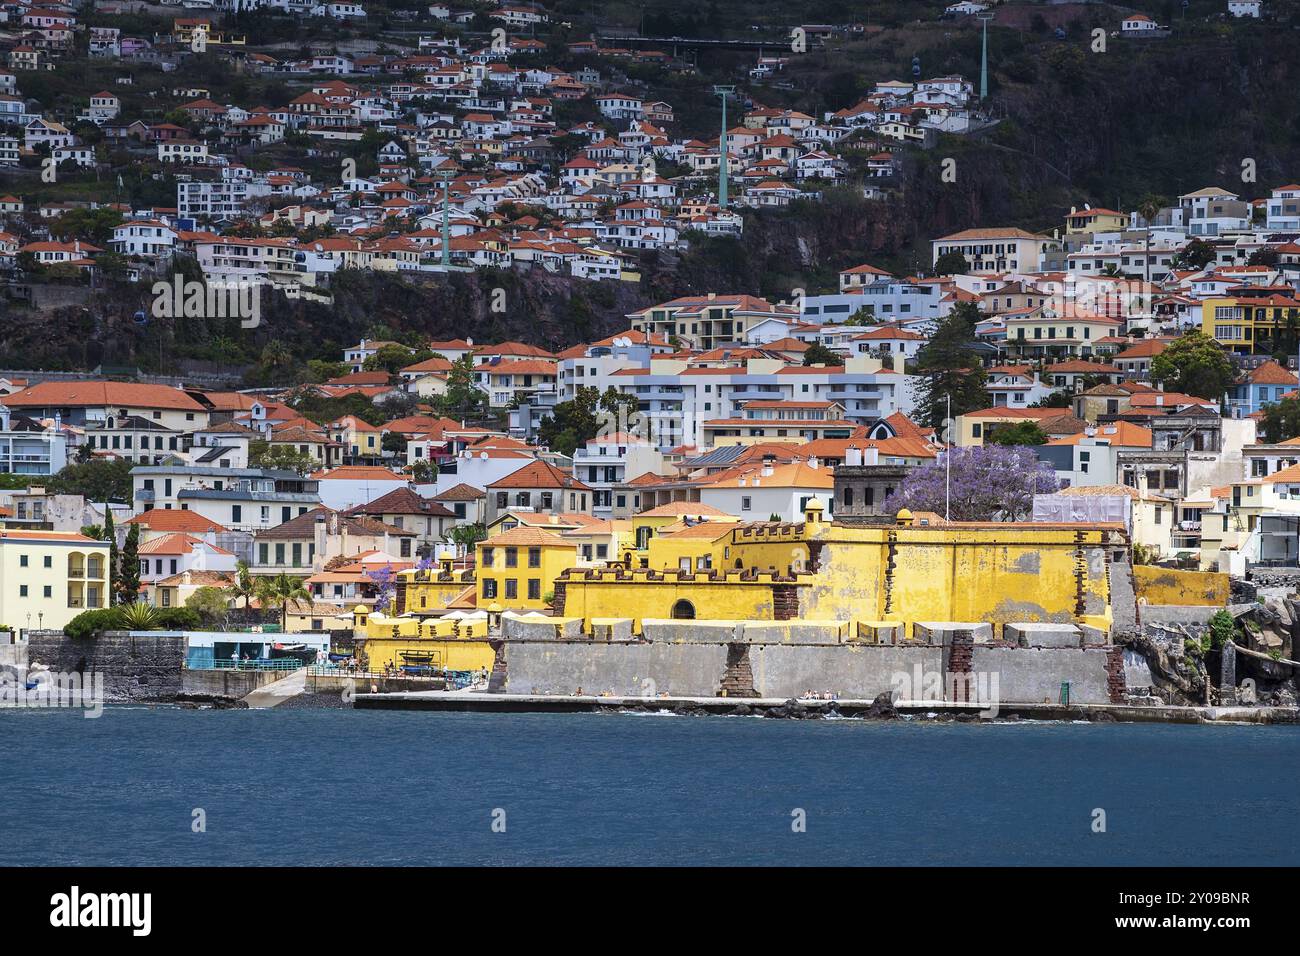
(947, 461)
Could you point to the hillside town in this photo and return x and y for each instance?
(451, 153)
(1130, 373)
(715, 412)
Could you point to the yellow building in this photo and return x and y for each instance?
(516, 568)
(691, 547)
(973, 428)
(49, 577)
(649, 523)
(601, 542)
(977, 572)
(1238, 323)
(433, 592)
(1094, 220)
(456, 644)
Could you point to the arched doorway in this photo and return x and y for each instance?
(683, 610)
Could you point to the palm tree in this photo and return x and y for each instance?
(245, 586)
(279, 591)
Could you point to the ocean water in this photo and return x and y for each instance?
(319, 787)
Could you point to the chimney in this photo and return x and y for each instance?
(813, 462)
(318, 535)
(768, 461)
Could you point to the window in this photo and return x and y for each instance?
(534, 557)
(22, 560)
(745, 503)
(487, 557)
(512, 557)
(534, 589)
(489, 588)
(47, 591)
(512, 589)
(236, 514)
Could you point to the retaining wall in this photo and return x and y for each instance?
(630, 670)
(227, 683)
(1023, 674)
(134, 667)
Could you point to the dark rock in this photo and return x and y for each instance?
(882, 708)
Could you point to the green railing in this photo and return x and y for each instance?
(276, 664)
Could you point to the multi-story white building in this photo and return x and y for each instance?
(994, 250)
(241, 499)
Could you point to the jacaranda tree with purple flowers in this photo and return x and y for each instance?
(989, 483)
(384, 587)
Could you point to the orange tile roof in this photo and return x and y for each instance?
(102, 394)
(522, 535)
(539, 474)
(164, 519)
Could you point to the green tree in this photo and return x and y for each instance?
(818, 354)
(211, 604)
(463, 400)
(1194, 364)
(114, 574)
(949, 367)
(262, 454)
(1281, 421)
(320, 370)
(1021, 433)
(100, 479)
(950, 264)
(244, 587)
(1197, 254)
(466, 536)
(89, 225)
(129, 581)
(279, 592)
(392, 358)
(424, 472)
(572, 423)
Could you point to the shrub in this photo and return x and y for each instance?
(137, 616)
(1221, 628)
(88, 623)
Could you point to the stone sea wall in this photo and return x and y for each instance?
(713, 658)
(143, 667)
